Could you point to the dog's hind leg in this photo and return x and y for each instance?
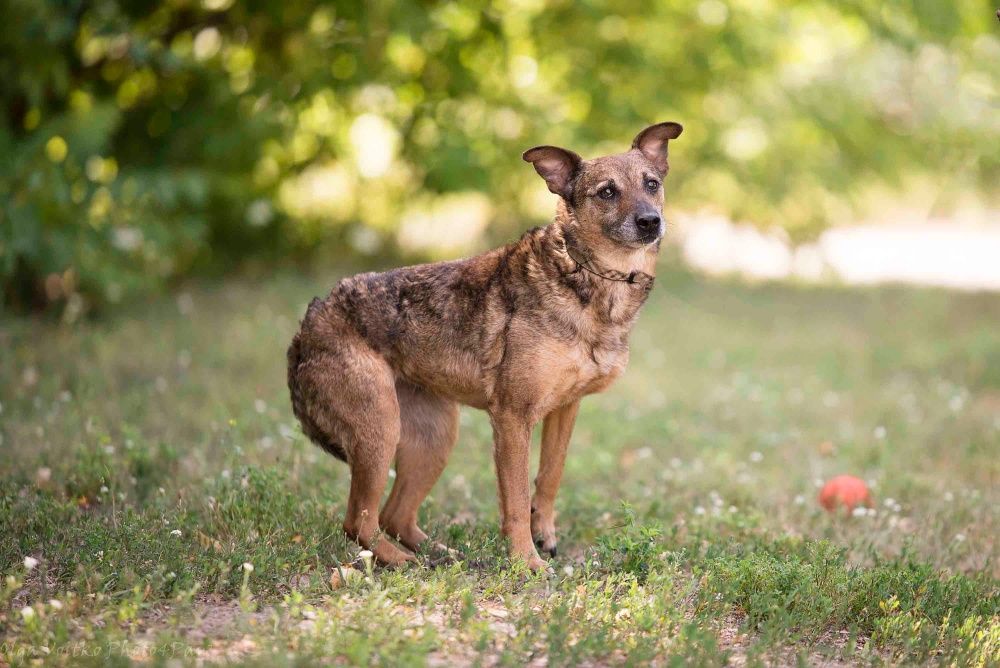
(429, 427)
(346, 393)
(374, 432)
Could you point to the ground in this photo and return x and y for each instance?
(152, 468)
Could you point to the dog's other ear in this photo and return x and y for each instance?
(556, 165)
(652, 142)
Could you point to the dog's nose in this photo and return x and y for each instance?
(647, 222)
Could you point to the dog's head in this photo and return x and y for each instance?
(619, 197)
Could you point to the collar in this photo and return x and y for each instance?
(632, 277)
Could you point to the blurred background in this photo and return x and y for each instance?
(144, 142)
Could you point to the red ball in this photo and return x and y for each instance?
(847, 491)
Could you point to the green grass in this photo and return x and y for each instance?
(146, 457)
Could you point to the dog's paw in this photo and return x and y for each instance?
(538, 565)
(543, 531)
(547, 546)
(545, 541)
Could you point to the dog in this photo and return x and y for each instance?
(379, 367)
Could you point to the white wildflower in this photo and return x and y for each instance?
(30, 563)
(175, 532)
(248, 567)
(28, 613)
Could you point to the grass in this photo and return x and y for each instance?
(147, 457)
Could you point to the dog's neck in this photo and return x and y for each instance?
(601, 254)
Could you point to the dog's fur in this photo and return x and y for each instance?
(379, 367)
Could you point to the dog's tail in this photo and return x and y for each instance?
(300, 402)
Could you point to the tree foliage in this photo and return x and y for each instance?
(140, 141)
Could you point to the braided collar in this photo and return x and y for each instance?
(632, 277)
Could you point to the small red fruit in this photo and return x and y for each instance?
(846, 490)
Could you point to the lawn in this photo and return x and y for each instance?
(148, 457)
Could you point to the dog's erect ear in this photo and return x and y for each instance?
(556, 165)
(652, 142)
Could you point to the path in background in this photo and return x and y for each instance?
(962, 252)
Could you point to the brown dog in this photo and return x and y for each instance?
(379, 367)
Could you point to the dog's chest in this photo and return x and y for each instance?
(588, 365)
(603, 359)
(599, 352)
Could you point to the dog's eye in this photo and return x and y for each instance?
(652, 185)
(607, 192)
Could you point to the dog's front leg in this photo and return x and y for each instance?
(556, 430)
(511, 450)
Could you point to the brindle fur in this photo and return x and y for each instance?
(379, 367)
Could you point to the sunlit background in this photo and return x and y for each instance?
(145, 142)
